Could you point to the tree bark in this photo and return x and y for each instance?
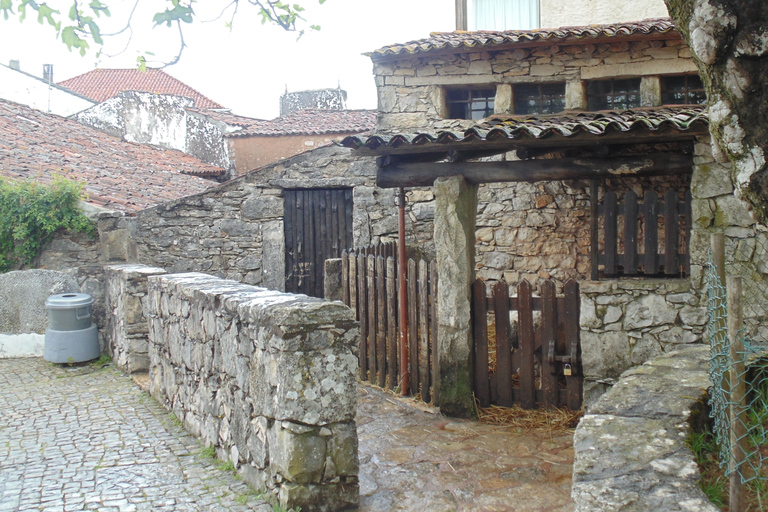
(729, 43)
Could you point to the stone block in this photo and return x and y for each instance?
(605, 354)
(297, 457)
(648, 310)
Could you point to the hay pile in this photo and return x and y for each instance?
(554, 420)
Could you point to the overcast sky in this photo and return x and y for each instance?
(248, 68)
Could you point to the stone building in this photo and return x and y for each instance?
(540, 125)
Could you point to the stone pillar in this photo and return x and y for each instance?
(650, 91)
(455, 212)
(332, 286)
(503, 103)
(575, 95)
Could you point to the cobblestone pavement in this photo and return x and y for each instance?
(416, 460)
(87, 438)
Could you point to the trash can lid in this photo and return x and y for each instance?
(68, 301)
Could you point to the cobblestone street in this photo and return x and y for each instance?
(87, 438)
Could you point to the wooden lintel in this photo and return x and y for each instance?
(424, 174)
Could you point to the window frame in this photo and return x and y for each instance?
(610, 105)
(517, 98)
(489, 100)
(687, 89)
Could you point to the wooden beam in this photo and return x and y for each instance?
(425, 174)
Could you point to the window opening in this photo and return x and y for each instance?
(682, 90)
(503, 14)
(470, 103)
(539, 98)
(616, 94)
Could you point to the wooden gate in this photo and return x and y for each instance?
(318, 226)
(533, 360)
(369, 282)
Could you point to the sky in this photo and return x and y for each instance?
(247, 68)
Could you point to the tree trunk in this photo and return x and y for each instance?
(729, 43)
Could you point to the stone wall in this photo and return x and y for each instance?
(555, 13)
(127, 328)
(326, 99)
(162, 120)
(411, 89)
(627, 322)
(236, 230)
(265, 377)
(630, 449)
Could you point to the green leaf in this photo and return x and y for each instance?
(44, 12)
(7, 7)
(73, 12)
(141, 63)
(70, 37)
(315, 27)
(95, 31)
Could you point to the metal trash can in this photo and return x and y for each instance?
(71, 337)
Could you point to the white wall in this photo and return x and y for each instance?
(28, 90)
(559, 13)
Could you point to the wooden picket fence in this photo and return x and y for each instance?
(541, 365)
(370, 287)
(645, 218)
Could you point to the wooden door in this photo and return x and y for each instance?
(318, 226)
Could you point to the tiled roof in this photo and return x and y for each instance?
(488, 38)
(500, 128)
(228, 117)
(312, 121)
(119, 175)
(102, 84)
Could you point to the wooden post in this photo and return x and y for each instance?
(738, 393)
(593, 226)
(402, 293)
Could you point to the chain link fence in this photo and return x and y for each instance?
(739, 363)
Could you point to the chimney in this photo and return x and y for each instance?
(48, 73)
(14, 64)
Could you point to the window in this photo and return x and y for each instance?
(613, 94)
(503, 14)
(682, 90)
(470, 103)
(539, 98)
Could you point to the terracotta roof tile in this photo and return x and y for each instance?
(485, 38)
(102, 84)
(119, 175)
(499, 128)
(312, 121)
(228, 117)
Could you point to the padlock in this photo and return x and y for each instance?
(567, 370)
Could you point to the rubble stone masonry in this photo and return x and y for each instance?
(267, 378)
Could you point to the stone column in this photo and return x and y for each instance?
(455, 212)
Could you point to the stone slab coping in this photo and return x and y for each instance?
(631, 451)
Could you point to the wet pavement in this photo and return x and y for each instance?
(87, 438)
(412, 458)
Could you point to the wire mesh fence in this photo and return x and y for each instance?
(739, 353)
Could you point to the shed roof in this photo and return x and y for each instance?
(558, 127)
(489, 40)
(102, 84)
(119, 175)
(313, 121)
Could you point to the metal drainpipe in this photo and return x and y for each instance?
(404, 375)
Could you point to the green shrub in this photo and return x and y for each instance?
(30, 213)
